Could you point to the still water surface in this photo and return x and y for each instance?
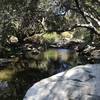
(17, 76)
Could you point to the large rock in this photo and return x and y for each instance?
(79, 83)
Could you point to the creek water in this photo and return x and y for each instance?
(25, 70)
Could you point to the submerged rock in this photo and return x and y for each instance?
(79, 83)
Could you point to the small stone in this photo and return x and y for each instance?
(13, 39)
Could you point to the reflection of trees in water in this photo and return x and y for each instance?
(53, 61)
(52, 66)
(56, 66)
(27, 73)
(32, 69)
(23, 80)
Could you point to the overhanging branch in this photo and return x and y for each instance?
(88, 26)
(92, 17)
(80, 10)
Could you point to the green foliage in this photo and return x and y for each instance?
(51, 37)
(81, 33)
(23, 18)
(51, 54)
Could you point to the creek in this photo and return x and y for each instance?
(21, 72)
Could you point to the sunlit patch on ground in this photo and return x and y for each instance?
(6, 74)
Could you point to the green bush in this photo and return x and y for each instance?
(50, 37)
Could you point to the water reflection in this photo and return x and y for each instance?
(28, 68)
(59, 59)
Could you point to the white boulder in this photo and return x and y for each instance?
(79, 83)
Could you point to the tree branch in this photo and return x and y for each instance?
(80, 10)
(92, 17)
(88, 26)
